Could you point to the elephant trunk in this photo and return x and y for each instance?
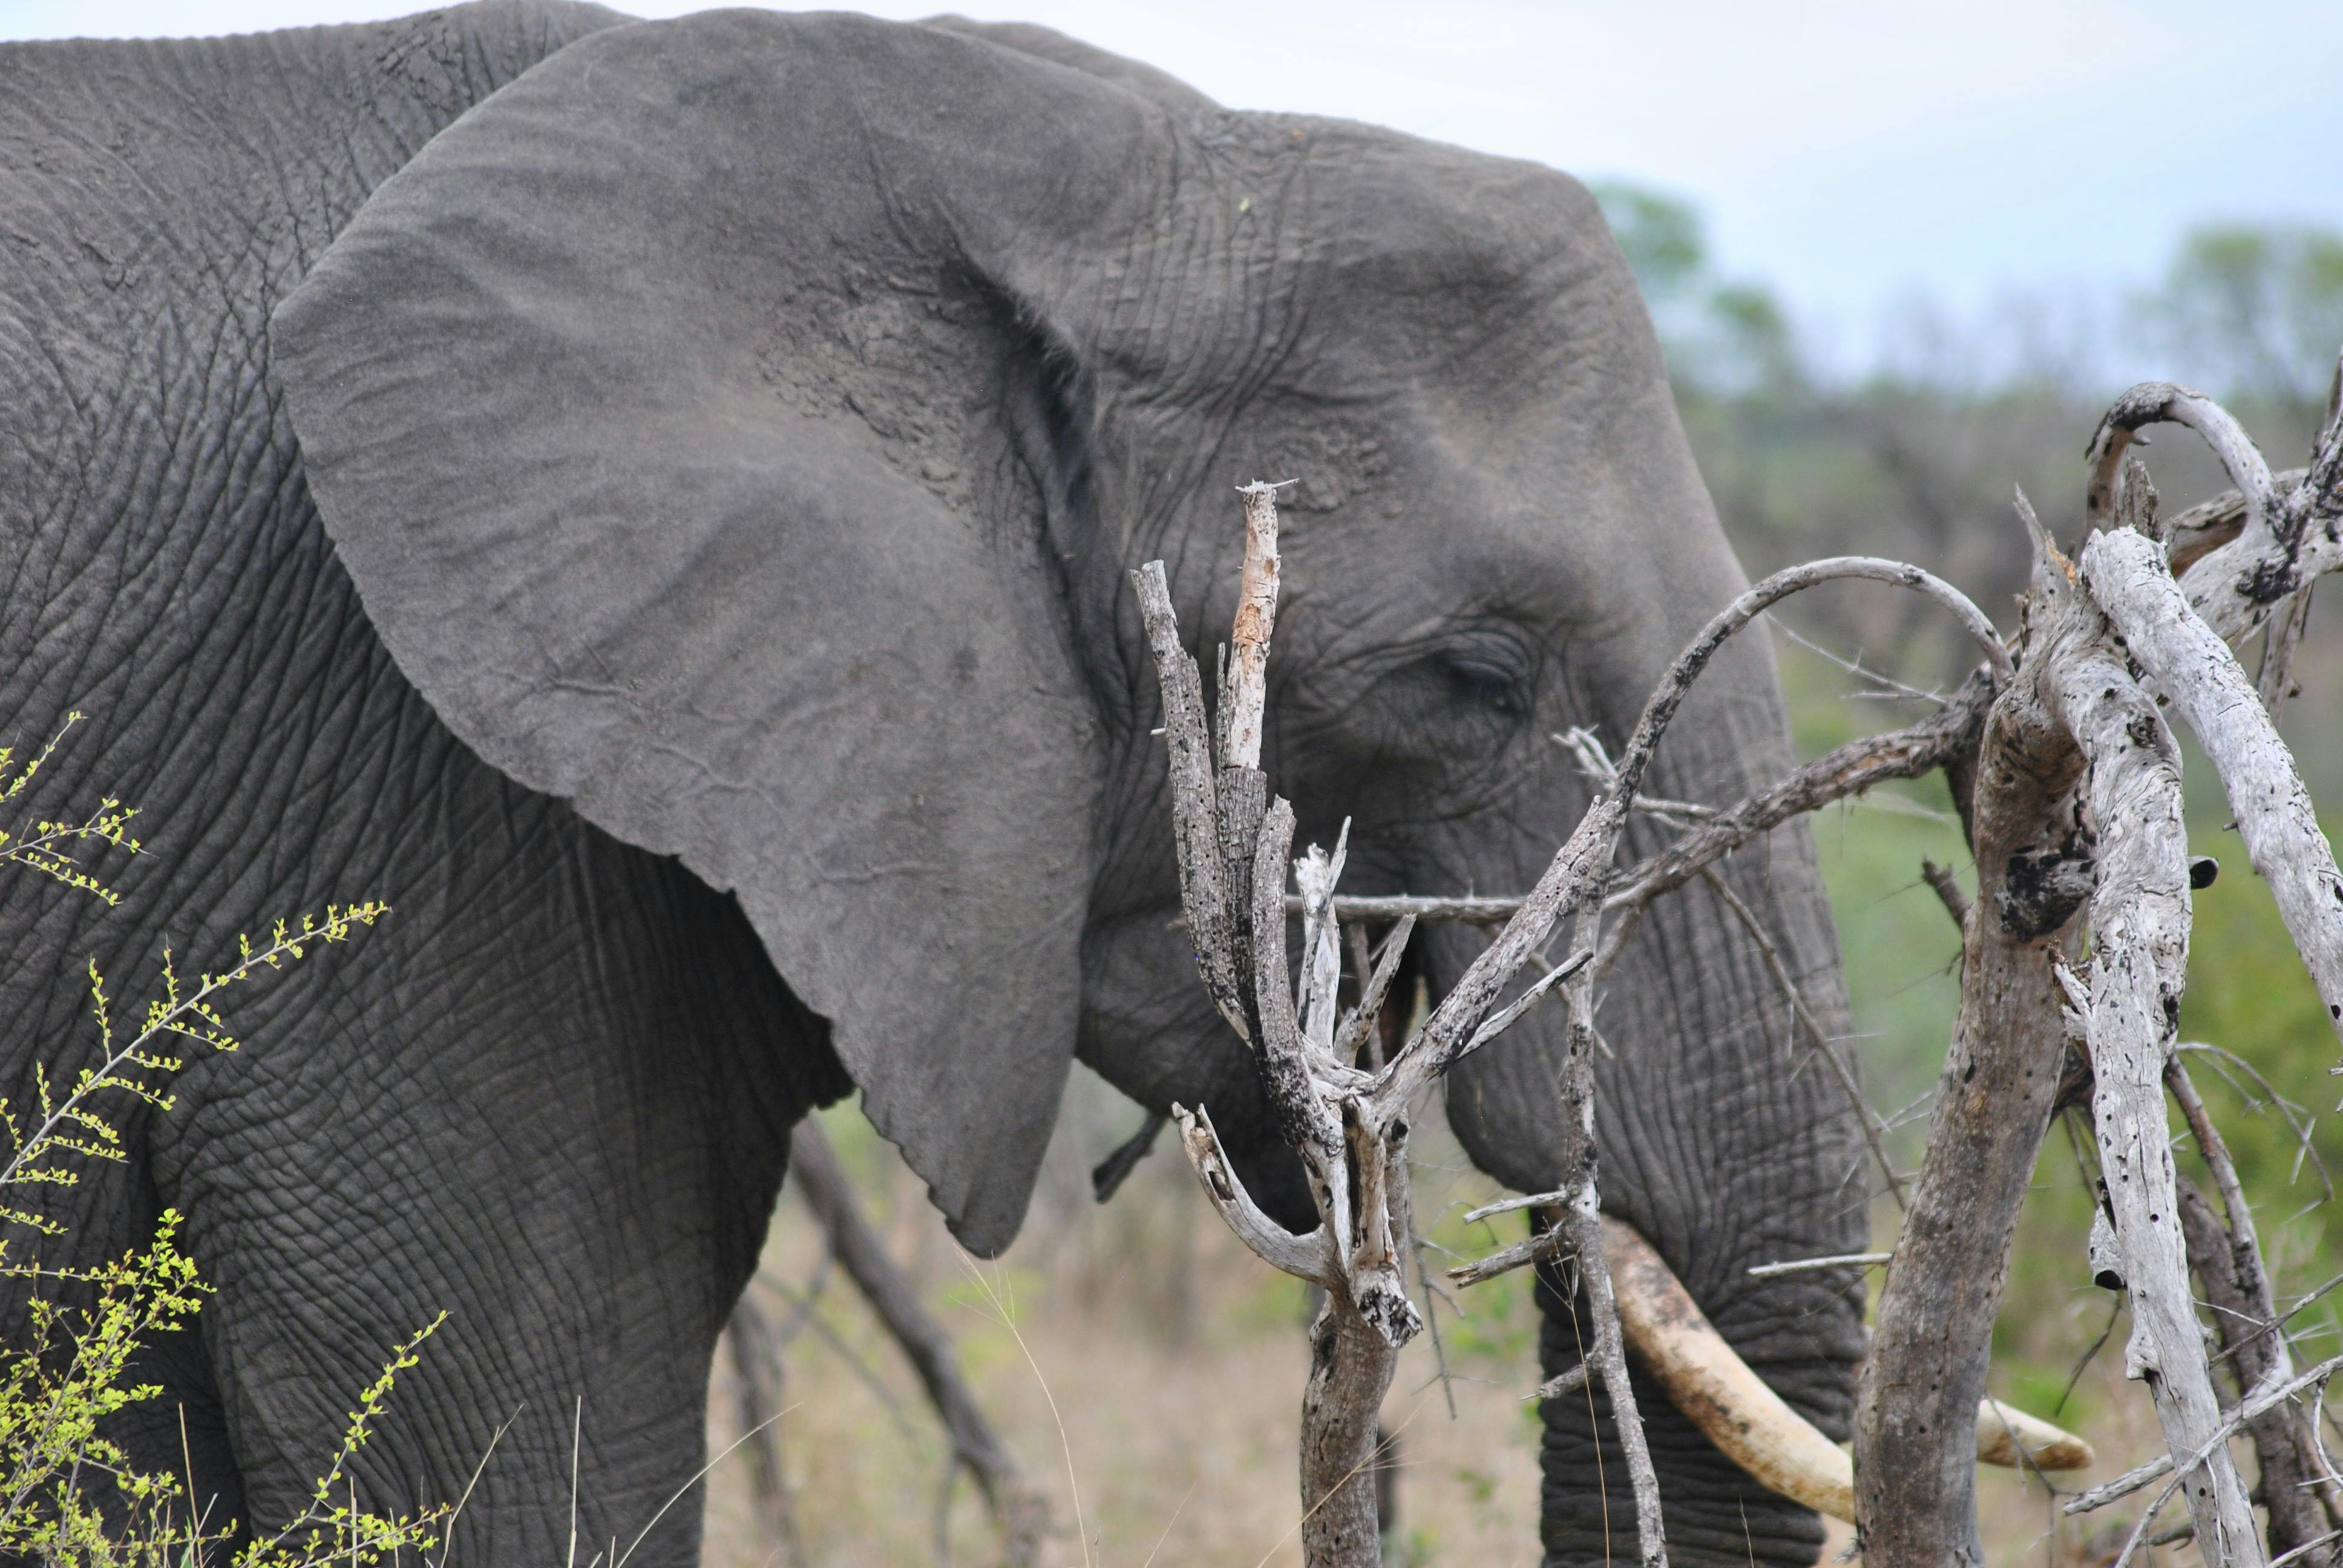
(1721, 1136)
(1747, 1421)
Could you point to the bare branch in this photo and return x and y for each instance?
(1350, 908)
(2208, 525)
(1358, 1030)
(1802, 1265)
(1021, 1510)
(1947, 889)
(2162, 402)
(1195, 826)
(1248, 689)
(1109, 1174)
(2275, 682)
(1319, 984)
(757, 1375)
(1610, 1358)
(1945, 738)
(1917, 1400)
(1306, 1257)
(2227, 1261)
(2190, 664)
(1942, 738)
(1875, 1129)
(1304, 1120)
(2139, 932)
(2252, 1405)
(1513, 1012)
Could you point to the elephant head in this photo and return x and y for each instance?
(740, 425)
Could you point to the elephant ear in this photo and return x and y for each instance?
(1048, 44)
(660, 411)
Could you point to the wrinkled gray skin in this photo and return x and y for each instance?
(736, 430)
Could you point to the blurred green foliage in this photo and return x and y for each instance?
(2261, 304)
(2267, 1083)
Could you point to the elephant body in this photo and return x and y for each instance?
(649, 501)
(552, 1090)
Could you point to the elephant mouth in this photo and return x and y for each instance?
(1747, 1420)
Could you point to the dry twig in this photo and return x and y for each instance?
(1021, 1512)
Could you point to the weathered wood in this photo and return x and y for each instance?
(2166, 402)
(1915, 1415)
(1362, 1029)
(1248, 688)
(2205, 527)
(1195, 813)
(2303, 1502)
(1946, 738)
(2188, 663)
(1307, 1122)
(2289, 1482)
(1350, 1126)
(1350, 908)
(1609, 1355)
(1306, 1257)
(1244, 795)
(2252, 1405)
(1916, 1400)
(1575, 870)
(2285, 536)
(2139, 939)
(1913, 752)
(1350, 1366)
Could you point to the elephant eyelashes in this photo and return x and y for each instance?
(1490, 686)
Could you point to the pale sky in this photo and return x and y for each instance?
(1852, 155)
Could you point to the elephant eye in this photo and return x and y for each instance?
(1487, 684)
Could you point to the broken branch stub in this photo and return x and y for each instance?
(1355, 1159)
(1195, 815)
(1248, 692)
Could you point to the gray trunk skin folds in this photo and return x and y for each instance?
(546, 1011)
(1720, 1138)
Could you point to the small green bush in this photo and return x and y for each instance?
(69, 1496)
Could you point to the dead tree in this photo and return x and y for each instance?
(1349, 1124)
(2074, 956)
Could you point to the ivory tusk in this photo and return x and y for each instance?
(2002, 1431)
(1747, 1420)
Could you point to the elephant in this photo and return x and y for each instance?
(651, 501)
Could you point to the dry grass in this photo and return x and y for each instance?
(1176, 1362)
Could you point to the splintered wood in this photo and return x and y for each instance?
(2067, 782)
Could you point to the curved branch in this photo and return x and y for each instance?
(2208, 525)
(1310, 1257)
(1944, 737)
(1762, 596)
(2167, 402)
(1585, 856)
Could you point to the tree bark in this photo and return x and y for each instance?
(1916, 1401)
(1350, 1367)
